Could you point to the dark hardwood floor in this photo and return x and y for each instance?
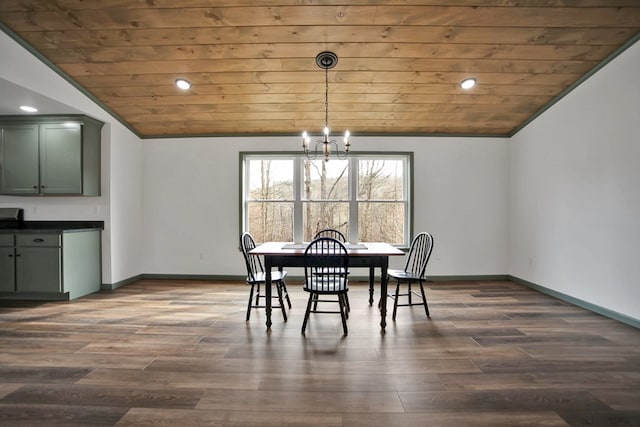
(179, 353)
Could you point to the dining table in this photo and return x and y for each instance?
(369, 255)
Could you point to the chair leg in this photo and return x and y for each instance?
(250, 302)
(284, 311)
(258, 294)
(424, 300)
(345, 303)
(395, 301)
(343, 314)
(286, 293)
(306, 313)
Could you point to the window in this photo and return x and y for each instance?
(286, 197)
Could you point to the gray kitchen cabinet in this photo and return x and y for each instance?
(51, 265)
(50, 155)
(38, 266)
(19, 158)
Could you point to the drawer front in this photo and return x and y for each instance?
(6, 239)
(29, 239)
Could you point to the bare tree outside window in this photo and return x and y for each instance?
(381, 196)
(270, 204)
(325, 196)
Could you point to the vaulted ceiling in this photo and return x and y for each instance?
(252, 65)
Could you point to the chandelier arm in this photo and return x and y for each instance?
(319, 146)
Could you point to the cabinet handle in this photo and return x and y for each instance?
(10, 255)
(43, 186)
(38, 240)
(35, 187)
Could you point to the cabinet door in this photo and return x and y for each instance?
(38, 269)
(19, 159)
(7, 269)
(61, 159)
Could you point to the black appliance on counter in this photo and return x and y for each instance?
(11, 218)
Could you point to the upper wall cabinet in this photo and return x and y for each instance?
(50, 155)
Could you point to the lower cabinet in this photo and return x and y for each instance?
(50, 266)
(38, 267)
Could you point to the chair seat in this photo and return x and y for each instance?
(325, 285)
(262, 277)
(403, 275)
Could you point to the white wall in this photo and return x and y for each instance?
(191, 201)
(125, 227)
(119, 206)
(575, 192)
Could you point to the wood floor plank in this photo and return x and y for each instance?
(302, 401)
(505, 400)
(143, 417)
(593, 381)
(460, 419)
(171, 379)
(37, 374)
(59, 415)
(75, 360)
(345, 382)
(90, 395)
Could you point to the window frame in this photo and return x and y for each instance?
(353, 184)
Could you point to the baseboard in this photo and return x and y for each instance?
(205, 277)
(578, 302)
(112, 286)
(485, 278)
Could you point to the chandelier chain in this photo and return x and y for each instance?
(326, 97)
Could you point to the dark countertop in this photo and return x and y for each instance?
(52, 227)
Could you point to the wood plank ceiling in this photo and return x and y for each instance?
(252, 62)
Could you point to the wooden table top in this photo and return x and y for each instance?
(354, 249)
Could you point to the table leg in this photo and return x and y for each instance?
(267, 289)
(372, 276)
(384, 265)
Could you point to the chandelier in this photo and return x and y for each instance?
(326, 145)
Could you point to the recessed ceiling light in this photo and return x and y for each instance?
(28, 109)
(183, 84)
(468, 83)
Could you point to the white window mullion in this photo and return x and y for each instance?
(298, 231)
(353, 199)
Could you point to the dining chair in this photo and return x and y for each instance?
(326, 267)
(338, 235)
(414, 272)
(256, 277)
